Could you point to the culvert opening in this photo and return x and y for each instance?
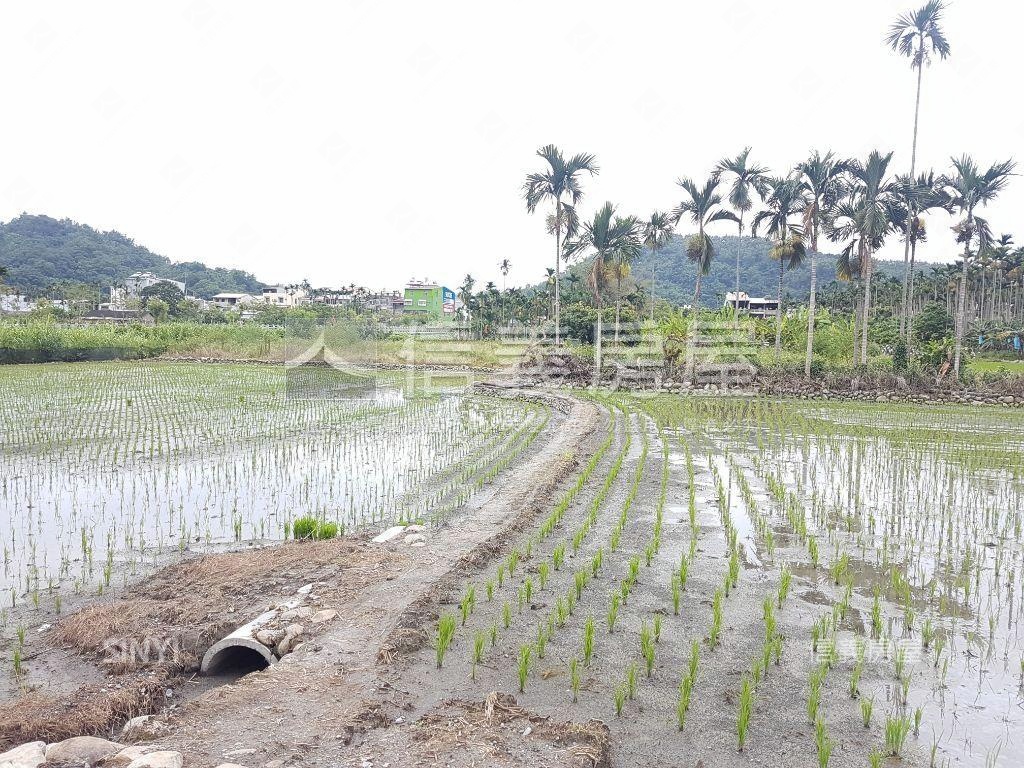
(235, 661)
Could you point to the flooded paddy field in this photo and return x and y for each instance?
(106, 467)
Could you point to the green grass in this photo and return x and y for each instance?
(997, 366)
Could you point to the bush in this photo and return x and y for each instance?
(305, 527)
(309, 527)
(932, 324)
(899, 356)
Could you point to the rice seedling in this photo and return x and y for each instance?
(597, 561)
(523, 666)
(468, 603)
(574, 678)
(875, 758)
(543, 571)
(676, 594)
(445, 633)
(746, 708)
(631, 681)
(542, 640)
(580, 582)
(784, 581)
(683, 702)
(613, 612)
(918, 712)
(506, 615)
(657, 627)
(823, 743)
(528, 590)
(588, 640)
(619, 699)
(896, 730)
(479, 639)
(716, 619)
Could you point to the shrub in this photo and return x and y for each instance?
(309, 527)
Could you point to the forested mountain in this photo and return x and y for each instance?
(759, 274)
(40, 252)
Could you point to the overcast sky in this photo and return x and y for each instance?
(367, 141)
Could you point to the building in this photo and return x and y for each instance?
(430, 301)
(133, 286)
(284, 296)
(391, 302)
(755, 307)
(117, 317)
(385, 301)
(232, 300)
(14, 303)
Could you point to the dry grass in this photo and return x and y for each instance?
(492, 731)
(91, 710)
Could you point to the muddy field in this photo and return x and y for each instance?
(652, 579)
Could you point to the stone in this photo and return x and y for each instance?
(270, 637)
(415, 528)
(277, 763)
(30, 755)
(324, 616)
(125, 757)
(230, 765)
(161, 759)
(297, 613)
(240, 752)
(82, 750)
(288, 642)
(304, 590)
(415, 538)
(142, 728)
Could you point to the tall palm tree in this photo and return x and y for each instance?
(784, 202)
(968, 188)
(609, 237)
(822, 177)
(874, 202)
(466, 296)
(746, 177)
(918, 36)
(561, 179)
(504, 268)
(703, 206)
(657, 232)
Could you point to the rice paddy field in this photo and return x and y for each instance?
(110, 467)
(754, 582)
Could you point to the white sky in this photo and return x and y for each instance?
(368, 141)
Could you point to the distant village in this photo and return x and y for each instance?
(127, 301)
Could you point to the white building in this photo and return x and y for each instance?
(16, 304)
(232, 300)
(755, 307)
(284, 296)
(133, 286)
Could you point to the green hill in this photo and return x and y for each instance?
(759, 274)
(40, 252)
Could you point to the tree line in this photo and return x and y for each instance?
(858, 204)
